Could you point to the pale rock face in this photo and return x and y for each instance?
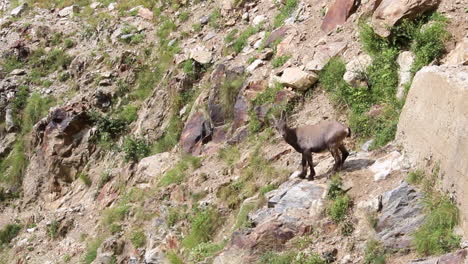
(19, 10)
(405, 61)
(355, 68)
(258, 20)
(386, 165)
(433, 125)
(459, 55)
(323, 54)
(257, 63)
(201, 55)
(298, 79)
(68, 11)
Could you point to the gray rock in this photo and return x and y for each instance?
(401, 214)
(257, 63)
(68, 11)
(9, 121)
(19, 10)
(405, 61)
(457, 257)
(18, 72)
(204, 20)
(6, 143)
(245, 16)
(355, 69)
(386, 165)
(201, 55)
(258, 20)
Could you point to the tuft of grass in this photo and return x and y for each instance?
(138, 239)
(202, 227)
(174, 215)
(135, 148)
(228, 91)
(240, 42)
(205, 250)
(91, 251)
(215, 17)
(85, 178)
(197, 27)
(52, 229)
(68, 43)
(436, 235)
(374, 253)
(285, 12)
(9, 232)
(174, 258)
(339, 208)
(280, 61)
(178, 173)
(106, 176)
(415, 177)
(146, 80)
(184, 16)
(230, 155)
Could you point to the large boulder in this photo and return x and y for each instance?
(389, 12)
(197, 130)
(433, 126)
(298, 79)
(323, 53)
(402, 213)
(338, 13)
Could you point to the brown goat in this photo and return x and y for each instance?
(326, 135)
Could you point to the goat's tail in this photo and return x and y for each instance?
(349, 132)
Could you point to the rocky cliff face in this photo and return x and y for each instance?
(142, 131)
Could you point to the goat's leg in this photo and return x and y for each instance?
(344, 154)
(304, 167)
(311, 165)
(337, 157)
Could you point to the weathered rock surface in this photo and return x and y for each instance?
(405, 61)
(386, 165)
(401, 215)
(298, 79)
(150, 167)
(197, 130)
(337, 14)
(458, 257)
(355, 69)
(433, 125)
(201, 55)
(323, 53)
(19, 10)
(459, 55)
(390, 12)
(68, 11)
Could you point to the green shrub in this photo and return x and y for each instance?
(280, 61)
(9, 232)
(174, 215)
(91, 251)
(52, 229)
(335, 188)
(339, 208)
(68, 43)
(85, 178)
(204, 250)
(138, 239)
(135, 148)
(13, 166)
(374, 253)
(230, 155)
(202, 227)
(189, 68)
(178, 173)
(174, 258)
(285, 12)
(415, 177)
(436, 235)
(240, 42)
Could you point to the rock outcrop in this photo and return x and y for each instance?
(433, 126)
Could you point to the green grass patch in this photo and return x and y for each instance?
(203, 225)
(374, 253)
(415, 177)
(179, 172)
(290, 257)
(215, 18)
(174, 258)
(115, 214)
(228, 92)
(340, 202)
(138, 239)
(285, 12)
(85, 178)
(135, 148)
(239, 42)
(91, 251)
(8, 232)
(205, 250)
(230, 155)
(280, 61)
(52, 229)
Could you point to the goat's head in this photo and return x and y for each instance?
(281, 125)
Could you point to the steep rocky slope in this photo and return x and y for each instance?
(141, 131)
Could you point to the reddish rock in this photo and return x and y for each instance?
(197, 131)
(241, 112)
(338, 13)
(145, 13)
(276, 35)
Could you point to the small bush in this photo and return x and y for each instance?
(138, 239)
(36, 108)
(135, 149)
(85, 178)
(339, 207)
(230, 155)
(9, 232)
(106, 176)
(280, 61)
(52, 229)
(178, 173)
(91, 251)
(202, 227)
(13, 166)
(285, 12)
(415, 177)
(204, 250)
(335, 188)
(11, 63)
(436, 235)
(189, 68)
(174, 215)
(374, 253)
